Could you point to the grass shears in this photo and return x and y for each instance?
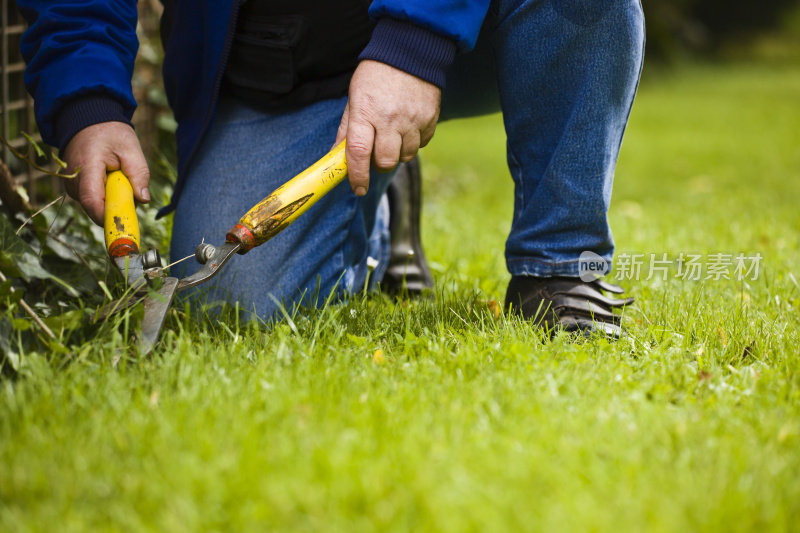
(262, 222)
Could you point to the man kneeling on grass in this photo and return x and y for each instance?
(262, 88)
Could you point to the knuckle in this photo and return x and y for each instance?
(141, 173)
(394, 117)
(359, 149)
(364, 104)
(385, 162)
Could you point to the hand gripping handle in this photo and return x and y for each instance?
(121, 224)
(275, 212)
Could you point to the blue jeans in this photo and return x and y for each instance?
(563, 72)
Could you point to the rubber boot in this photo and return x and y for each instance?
(407, 272)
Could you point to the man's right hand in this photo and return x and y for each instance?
(99, 149)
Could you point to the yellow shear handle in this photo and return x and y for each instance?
(121, 224)
(272, 214)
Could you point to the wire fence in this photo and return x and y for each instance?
(16, 114)
(152, 120)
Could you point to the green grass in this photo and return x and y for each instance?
(465, 421)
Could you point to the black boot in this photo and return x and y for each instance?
(408, 270)
(567, 304)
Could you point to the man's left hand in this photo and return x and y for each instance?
(389, 116)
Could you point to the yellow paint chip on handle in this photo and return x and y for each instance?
(121, 224)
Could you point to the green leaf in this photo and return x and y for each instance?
(57, 348)
(61, 164)
(68, 321)
(39, 151)
(20, 324)
(14, 297)
(27, 263)
(20, 259)
(74, 278)
(23, 192)
(40, 225)
(59, 249)
(17, 253)
(5, 288)
(8, 267)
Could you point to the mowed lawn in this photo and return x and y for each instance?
(441, 415)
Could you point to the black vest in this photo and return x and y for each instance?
(290, 53)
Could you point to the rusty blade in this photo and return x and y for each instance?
(156, 306)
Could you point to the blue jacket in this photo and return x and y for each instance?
(80, 57)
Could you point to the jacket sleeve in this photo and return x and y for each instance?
(80, 58)
(421, 37)
(457, 20)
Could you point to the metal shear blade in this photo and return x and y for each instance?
(155, 311)
(156, 305)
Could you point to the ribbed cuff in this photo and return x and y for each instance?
(412, 49)
(86, 111)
